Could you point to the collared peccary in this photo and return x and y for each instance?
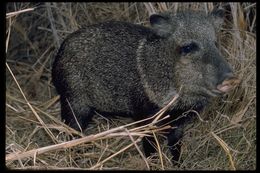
(126, 69)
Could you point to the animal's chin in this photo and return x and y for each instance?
(219, 91)
(196, 93)
(201, 91)
(223, 88)
(211, 92)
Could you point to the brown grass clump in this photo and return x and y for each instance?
(223, 138)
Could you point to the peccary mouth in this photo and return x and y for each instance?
(211, 92)
(228, 85)
(224, 87)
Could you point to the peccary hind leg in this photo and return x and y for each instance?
(76, 118)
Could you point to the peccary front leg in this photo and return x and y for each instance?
(76, 117)
(175, 135)
(149, 145)
(174, 142)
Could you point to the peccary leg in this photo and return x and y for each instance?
(76, 118)
(176, 134)
(174, 138)
(148, 146)
(174, 142)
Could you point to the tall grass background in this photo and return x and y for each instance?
(222, 138)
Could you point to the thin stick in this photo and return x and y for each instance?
(30, 106)
(226, 149)
(138, 149)
(11, 14)
(8, 36)
(159, 150)
(74, 116)
(113, 155)
(160, 113)
(64, 145)
(51, 19)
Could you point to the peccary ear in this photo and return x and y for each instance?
(161, 24)
(217, 17)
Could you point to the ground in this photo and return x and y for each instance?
(222, 138)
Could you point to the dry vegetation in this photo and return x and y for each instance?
(223, 137)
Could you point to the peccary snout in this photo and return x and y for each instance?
(228, 83)
(227, 80)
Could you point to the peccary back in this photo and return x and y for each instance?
(126, 69)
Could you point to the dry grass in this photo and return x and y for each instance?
(223, 138)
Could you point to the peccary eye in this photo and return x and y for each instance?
(188, 48)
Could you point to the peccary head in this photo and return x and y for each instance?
(191, 50)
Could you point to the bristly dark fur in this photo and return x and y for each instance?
(126, 69)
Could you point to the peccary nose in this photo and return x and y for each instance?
(229, 83)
